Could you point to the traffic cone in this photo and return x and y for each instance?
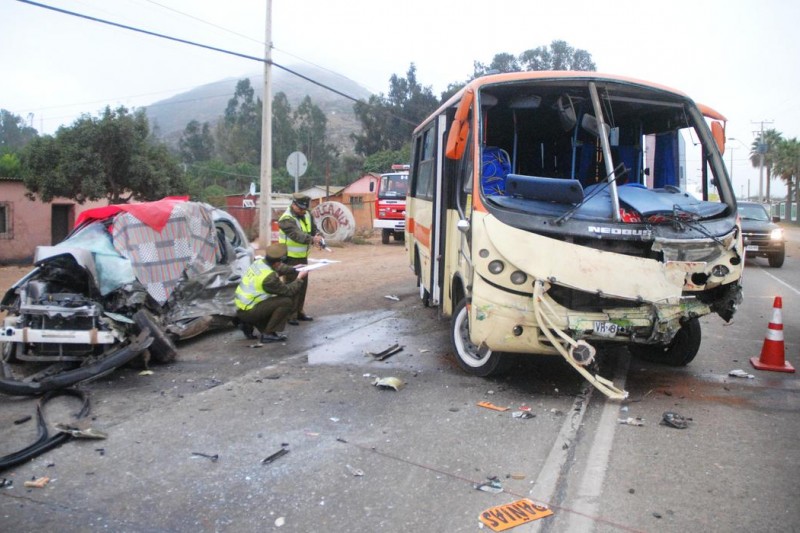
(772, 352)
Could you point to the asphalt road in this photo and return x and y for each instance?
(362, 458)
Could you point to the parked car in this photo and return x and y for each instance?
(762, 236)
(130, 279)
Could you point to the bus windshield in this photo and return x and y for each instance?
(393, 186)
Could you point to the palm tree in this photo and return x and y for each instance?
(787, 166)
(768, 142)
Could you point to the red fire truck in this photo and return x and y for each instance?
(390, 207)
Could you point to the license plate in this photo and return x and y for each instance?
(751, 248)
(605, 329)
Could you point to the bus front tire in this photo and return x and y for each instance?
(476, 360)
(679, 352)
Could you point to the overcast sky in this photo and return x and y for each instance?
(740, 57)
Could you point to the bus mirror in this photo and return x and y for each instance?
(371, 186)
(459, 129)
(718, 132)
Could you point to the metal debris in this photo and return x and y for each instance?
(388, 352)
(81, 433)
(214, 458)
(274, 456)
(389, 383)
(392, 297)
(674, 420)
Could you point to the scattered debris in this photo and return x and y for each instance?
(146, 373)
(493, 485)
(81, 433)
(256, 345)
(274, 456)
(357, 472)
(214, 458)
(631, 421)
(389, 383)
(674, 420)
(493, 407)
(6, 483)
(392, 297)
(333, 419)
(280, 521)
(22, 420)
(38, 483)
(739, 373)
(508, 515)
(388, 352)
(524, 415)
(517, 476)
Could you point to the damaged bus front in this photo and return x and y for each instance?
(552, 212)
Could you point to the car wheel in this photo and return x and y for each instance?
(163, 349)
(476, 360)
(776, 259)
(679, 352)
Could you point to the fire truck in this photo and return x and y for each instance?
(390, 206)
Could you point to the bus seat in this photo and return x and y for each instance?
(496, 166)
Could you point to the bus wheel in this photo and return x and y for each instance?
(679, 352)
(385, 235)
(476, 360)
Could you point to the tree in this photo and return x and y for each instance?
(766, 145)
(381, 162)
(110, 156)
(558, 56)
(787, 166)
(14, 134)
(10, 166)
(284, 136)
(196, 143)
(311, 128)
(387, 121)
(239, 131)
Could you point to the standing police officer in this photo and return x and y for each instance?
(263, 300)
(298, 232)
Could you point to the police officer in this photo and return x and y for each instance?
(263, 300)
(299, 233)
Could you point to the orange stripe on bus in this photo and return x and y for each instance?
(421, 233)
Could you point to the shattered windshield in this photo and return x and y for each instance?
(753, 212)
(598, 152)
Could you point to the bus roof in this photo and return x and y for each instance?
(477, 83)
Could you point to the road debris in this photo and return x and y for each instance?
(388, 352)
(490, 405)
(739, 373)
(22, 420)
(214, 458)
(523, 415)
(274, 456)
(81, 432)
(392, 297)
(39, 483)
(146, 373)
(389, 383)
(508, 515)
(631, 421)
(492, 485)
(6, 483)
(674, 420)
(357, 472)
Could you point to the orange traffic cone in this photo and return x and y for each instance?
(772, 352)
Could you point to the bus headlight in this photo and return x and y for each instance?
(496, 266)
(776, 234)
(720, 271)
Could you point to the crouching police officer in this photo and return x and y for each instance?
(263, 300)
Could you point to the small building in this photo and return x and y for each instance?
(360, 197)
(26, 224)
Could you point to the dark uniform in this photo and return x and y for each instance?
(297, 232)
(263, 300)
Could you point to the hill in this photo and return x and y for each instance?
(207, 103)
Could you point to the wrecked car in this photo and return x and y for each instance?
(129, 280)
(554, 212)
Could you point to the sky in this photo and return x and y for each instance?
(740, 57)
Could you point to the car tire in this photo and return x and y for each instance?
(475, 360)
(776, 259)
(163, 349)
(679, 352)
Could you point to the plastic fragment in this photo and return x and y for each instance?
(146, 373)
(493, 485)
(389, 383)
(81, 433)
(38, 483)
(631, 421)
(392, 297)
(490, 405)
(523, 415)
(214, 458)
(274, 456)
(357, 472)
(739, 373)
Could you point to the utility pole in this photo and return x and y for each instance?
(265, 198)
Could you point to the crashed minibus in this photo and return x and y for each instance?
(555, 212)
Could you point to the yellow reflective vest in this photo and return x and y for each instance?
(297, 250)
(249, 293)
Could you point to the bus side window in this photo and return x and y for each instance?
(424, 169)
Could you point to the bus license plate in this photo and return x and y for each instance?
(605, 329)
